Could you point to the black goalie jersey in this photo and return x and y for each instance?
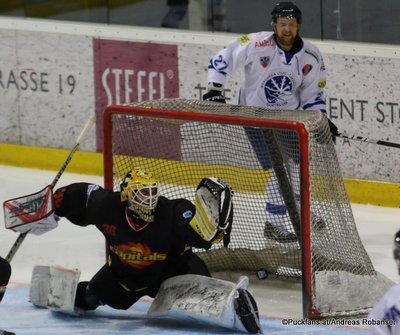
(140, 254)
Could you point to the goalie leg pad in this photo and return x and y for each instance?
(205, 299)
(54, 288)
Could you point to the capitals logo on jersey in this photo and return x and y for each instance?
(277, 87)
(137, 255)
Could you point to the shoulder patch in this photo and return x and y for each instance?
(321, 83)
(307, 69)
(312, 53)
(244, 39)
(188, 214)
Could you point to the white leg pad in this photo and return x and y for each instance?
(194, 297)
(54, 288)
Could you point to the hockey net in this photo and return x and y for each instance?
(181, 141)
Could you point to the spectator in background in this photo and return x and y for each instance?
(215, 14)
(176, 13)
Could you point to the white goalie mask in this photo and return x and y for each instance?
(140, 190)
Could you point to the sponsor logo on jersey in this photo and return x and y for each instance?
(264, 61)
(306, 69)
(321, 84)
(244, 39)
(277, 87)
(264, 43)
(137, 255)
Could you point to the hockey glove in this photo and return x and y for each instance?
(214, 211)
(5, 274)
(215, 93)
(334, 130)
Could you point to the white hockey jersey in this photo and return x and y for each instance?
(273, 78)
(385, 316)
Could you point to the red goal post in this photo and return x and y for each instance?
(182, 141)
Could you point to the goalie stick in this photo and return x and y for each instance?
(81, 137)
(368, 140)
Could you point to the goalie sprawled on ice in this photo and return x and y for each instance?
(149, 240)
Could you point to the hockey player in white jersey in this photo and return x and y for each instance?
(281, 71)
(385, 315)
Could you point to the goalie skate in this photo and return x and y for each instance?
(247, 311)
(54, 288)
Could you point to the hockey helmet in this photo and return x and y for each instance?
(396, 249)
(140, 191)
(285, 9)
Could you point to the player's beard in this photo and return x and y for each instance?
(286, 41)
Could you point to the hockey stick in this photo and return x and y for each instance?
(81, 137)
(368, 140)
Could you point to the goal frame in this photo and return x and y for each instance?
(309, 310)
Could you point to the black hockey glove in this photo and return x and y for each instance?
(334, 130)
(5, 273)
(215, 93)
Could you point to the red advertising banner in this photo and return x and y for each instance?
(127, 72)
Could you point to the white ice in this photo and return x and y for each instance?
(83, 248)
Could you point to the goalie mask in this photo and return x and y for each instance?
(140, 191)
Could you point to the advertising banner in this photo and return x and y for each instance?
(127, 72)
(46, 87)
(50, 82)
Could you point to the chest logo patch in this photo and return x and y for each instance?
(137, 255)
(277, 87)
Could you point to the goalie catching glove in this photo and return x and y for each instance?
(214, 211)
(33, 213)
